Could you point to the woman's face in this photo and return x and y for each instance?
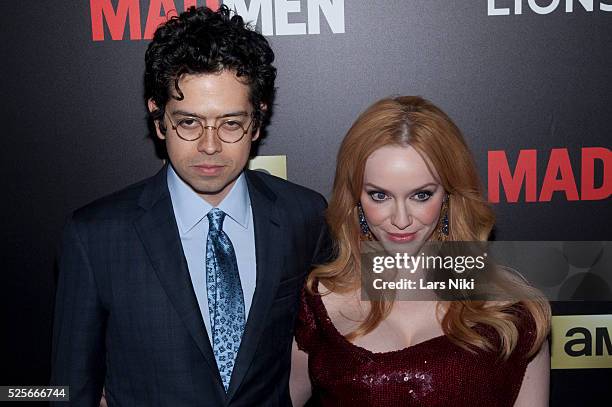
(401, 198)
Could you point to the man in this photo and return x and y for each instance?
(182, 289)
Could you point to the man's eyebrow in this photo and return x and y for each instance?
(233, 114)
(192, 114)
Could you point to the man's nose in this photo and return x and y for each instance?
(209, 143)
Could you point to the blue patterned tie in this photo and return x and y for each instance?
(225, 299)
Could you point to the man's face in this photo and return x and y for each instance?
(209, 165)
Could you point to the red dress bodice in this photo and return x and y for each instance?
(435, 372)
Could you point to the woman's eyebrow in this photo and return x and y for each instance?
(369, 184)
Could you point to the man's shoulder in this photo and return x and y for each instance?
(121, 204)
(287, 190)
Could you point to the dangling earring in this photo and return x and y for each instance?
(363, 224)
(444, 221)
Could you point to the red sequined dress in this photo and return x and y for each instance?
(435, 372)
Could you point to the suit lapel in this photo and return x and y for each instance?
(269, 256)
(159, 234)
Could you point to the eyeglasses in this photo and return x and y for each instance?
(191, 129)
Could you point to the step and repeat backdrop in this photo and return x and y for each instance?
(528, 81)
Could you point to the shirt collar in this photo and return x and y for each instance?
(190, 208)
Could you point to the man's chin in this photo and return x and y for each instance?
(210, 190)
(213, 192)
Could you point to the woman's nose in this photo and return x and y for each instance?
(401, 217)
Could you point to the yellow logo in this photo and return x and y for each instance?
(272, 164)
(581, 342)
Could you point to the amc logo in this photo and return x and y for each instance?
(581, 342)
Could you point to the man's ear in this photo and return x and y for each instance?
(152, 107)
(255, 135)
(264, 109)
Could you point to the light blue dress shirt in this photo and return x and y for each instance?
(190, 212)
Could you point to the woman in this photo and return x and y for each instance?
(405, 175)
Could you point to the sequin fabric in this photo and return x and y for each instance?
(431, 373)
(225, 298)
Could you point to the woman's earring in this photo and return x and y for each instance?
(444, 222)
(363, 224)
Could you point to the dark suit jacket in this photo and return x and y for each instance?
(127, 318)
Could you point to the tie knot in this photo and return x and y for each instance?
(215, 219)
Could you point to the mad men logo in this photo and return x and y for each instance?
(271, 16)
(507, 7)
(581, 342)
(274, 15)
(559, 176)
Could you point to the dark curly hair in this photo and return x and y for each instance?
(200, 40)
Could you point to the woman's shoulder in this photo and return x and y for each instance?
(526, 329)
(308, 318)
(319, 307)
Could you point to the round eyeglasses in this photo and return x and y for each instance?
(191, 129)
